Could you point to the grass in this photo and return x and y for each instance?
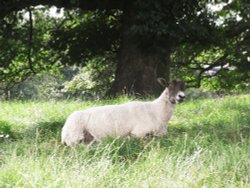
(208, 145)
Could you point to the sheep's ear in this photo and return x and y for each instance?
(162, 82)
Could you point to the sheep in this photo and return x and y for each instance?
(136, 119)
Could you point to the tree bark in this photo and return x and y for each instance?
(137, 73)
(139, 66)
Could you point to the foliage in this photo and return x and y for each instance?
(94, 80)
(223, 65)
(91, 81)
(167, 24)
(207, 146)
(84, 35)
(199, 39)
(66, 40)
(213, 69)
(24, 47)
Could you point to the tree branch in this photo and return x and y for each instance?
(237, 29)
(30, 42)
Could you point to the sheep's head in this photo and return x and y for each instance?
(175, 90)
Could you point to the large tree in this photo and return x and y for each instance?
(150, 31)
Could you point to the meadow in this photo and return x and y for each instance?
(207, 145)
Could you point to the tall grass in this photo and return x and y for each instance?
(208, 145)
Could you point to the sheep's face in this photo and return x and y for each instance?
(176, 91)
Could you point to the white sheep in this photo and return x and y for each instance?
(137, 119)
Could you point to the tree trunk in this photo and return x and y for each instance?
(137, 73)
(7, 94)
(138, 65)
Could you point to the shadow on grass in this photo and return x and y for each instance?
(221, 131)
(44, 131)
(125, 150)
(187, 138)
(6, 131)
(179, 138)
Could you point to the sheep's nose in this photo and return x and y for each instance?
(182, 96)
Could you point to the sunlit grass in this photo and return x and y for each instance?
(207, 145)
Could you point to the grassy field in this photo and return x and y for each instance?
(208, 145)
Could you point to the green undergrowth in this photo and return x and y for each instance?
(207, 145)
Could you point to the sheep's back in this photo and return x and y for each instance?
(116, 120)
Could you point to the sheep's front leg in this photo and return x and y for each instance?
(161, 131)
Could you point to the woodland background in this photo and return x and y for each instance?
(94, 49)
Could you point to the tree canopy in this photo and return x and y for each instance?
(183, 39)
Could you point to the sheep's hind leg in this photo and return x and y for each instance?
(87, 137)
